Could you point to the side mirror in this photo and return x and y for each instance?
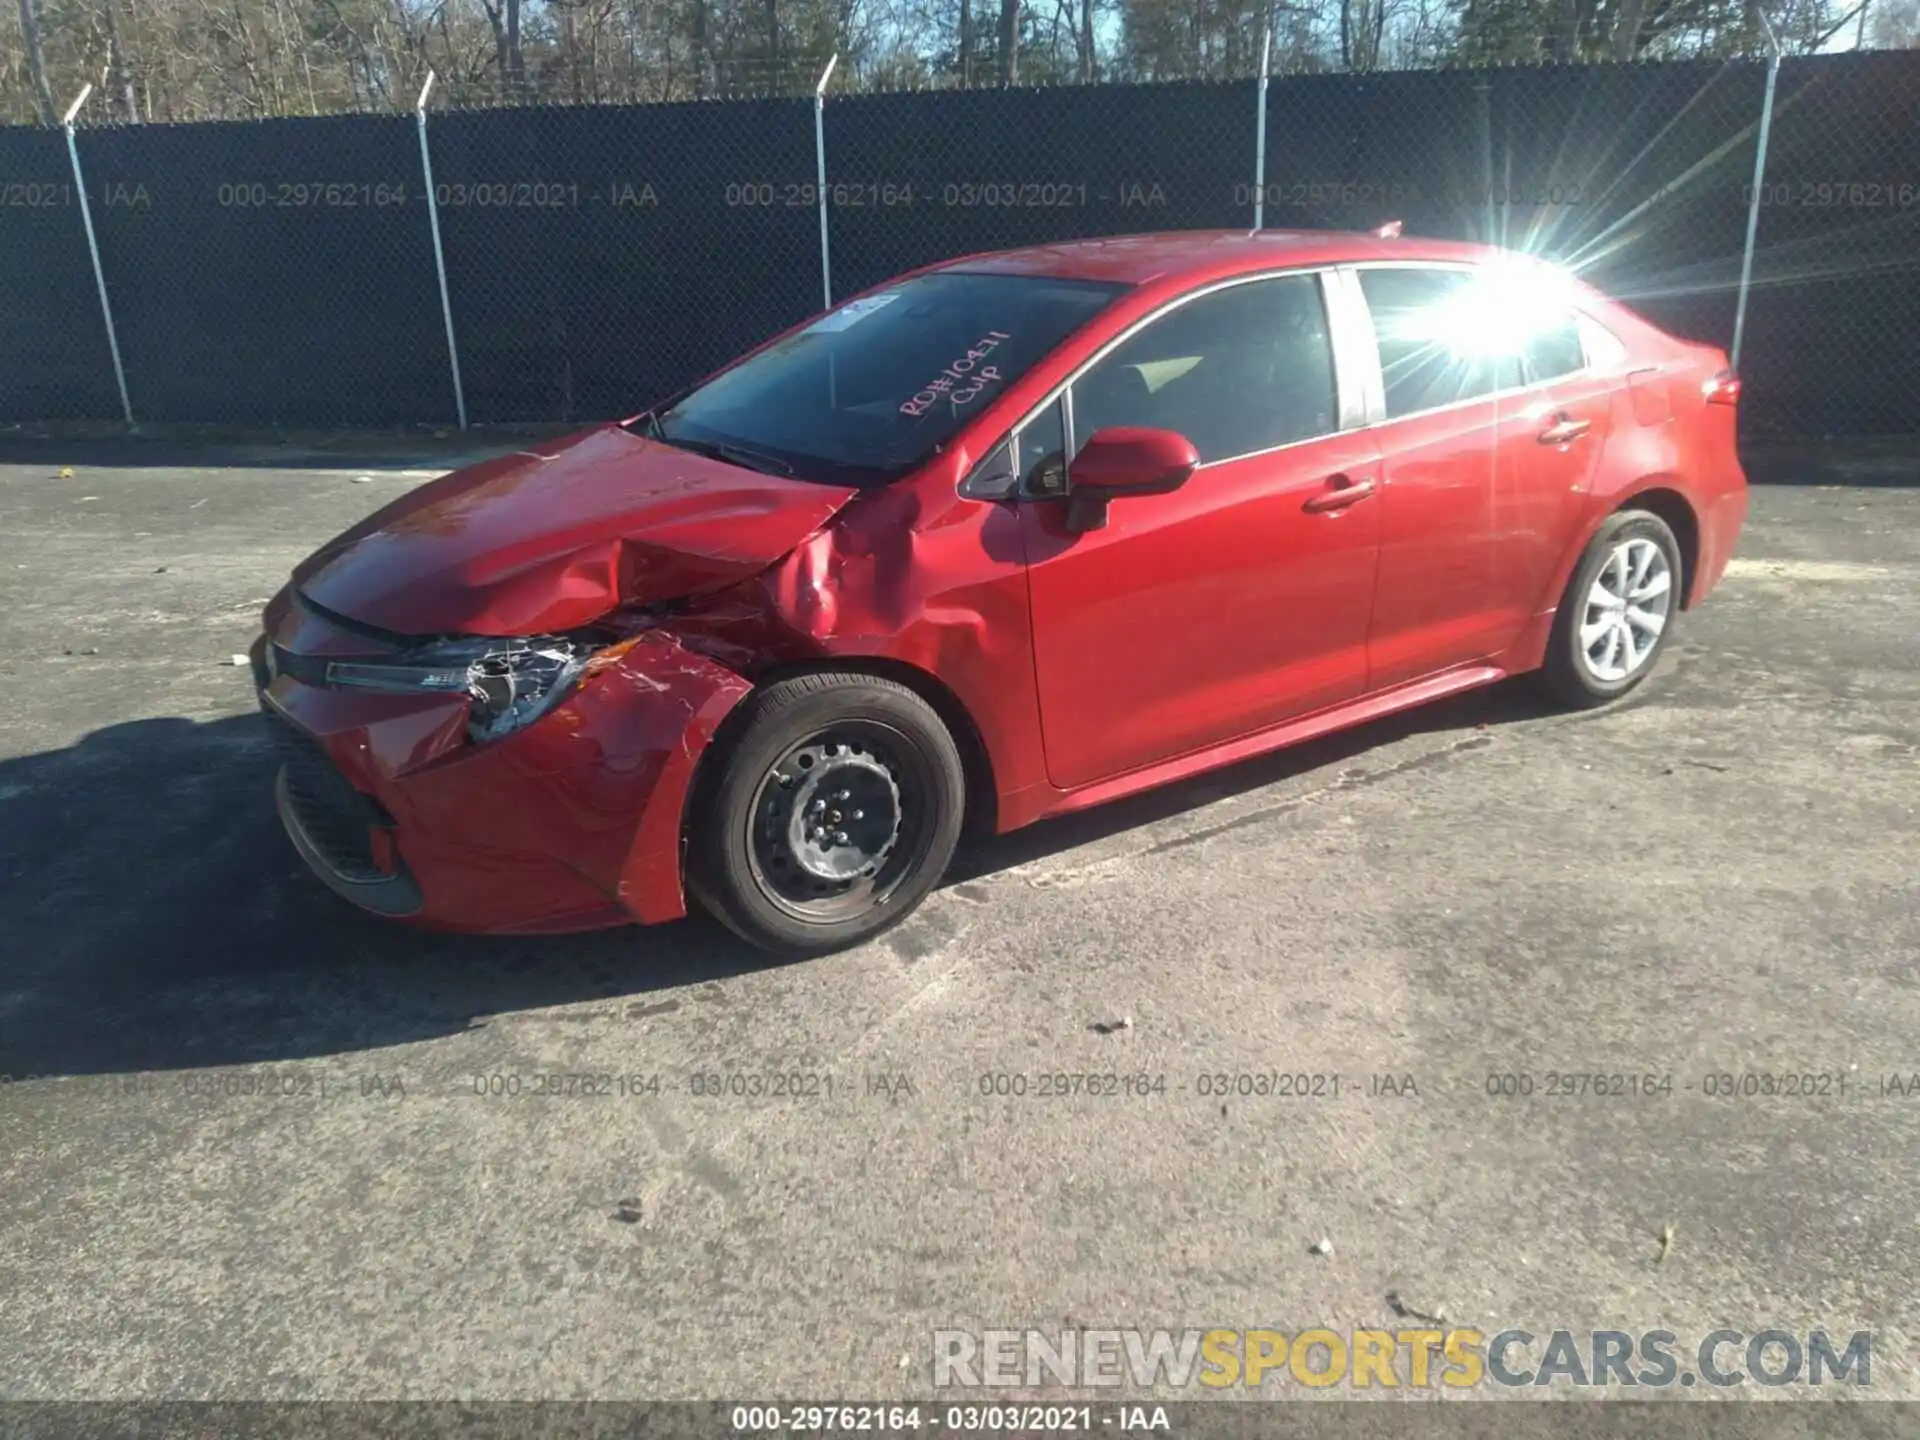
(1124, 460)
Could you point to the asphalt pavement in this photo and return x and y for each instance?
(256, 1145)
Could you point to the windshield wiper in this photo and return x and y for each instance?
(739, 455)
(754, 459)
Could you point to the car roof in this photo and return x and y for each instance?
(1203, 254)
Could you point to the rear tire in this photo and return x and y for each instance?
(1617, 612)
(834, 812)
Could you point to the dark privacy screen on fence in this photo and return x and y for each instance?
(917, 178)
(230, 306)
(54, 362)
(1833, 326)
(599, 258)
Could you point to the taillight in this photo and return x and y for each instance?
(1722, 388)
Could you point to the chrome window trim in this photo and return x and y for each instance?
(1342, 408)
(1377, 399)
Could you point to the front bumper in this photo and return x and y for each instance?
(572, 823)
(392, 894)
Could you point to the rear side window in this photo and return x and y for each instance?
(1243, 369)
(1432, 335)
(1554, 349)
(1603, 347)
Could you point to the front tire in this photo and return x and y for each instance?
(1617, 611)
(835, 812)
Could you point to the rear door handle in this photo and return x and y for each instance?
(1342, 492)
(1563, 429)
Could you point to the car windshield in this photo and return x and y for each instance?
(872, 389)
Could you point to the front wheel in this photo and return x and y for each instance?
(836, 809)
(1617, 611)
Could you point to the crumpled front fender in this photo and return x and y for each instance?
(599, 785)
(572, 822)
(674, 701)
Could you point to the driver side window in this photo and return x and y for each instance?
(1245, 368)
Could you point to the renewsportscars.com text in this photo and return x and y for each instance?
(1457, 1358)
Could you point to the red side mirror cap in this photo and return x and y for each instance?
(1134, 460)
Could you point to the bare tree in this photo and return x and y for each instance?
(1626, 29)
(119, 71)
(1896, 25)
(1363, 28)
(37, 60)
(510, 61)
(516, 57)
(200, 59)
(700, 48)
(496, 23)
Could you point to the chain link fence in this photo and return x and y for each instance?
(597, 258)
(1833, 324)
(59, 366)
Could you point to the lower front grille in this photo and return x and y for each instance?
(337, 818)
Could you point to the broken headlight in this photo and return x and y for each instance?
(511, 683)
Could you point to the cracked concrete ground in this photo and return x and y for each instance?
(259, 1154)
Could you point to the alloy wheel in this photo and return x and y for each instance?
(1626, 610)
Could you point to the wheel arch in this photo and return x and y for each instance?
(982, 795)
(1660, 496)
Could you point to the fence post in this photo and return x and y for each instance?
(93, 249)
(1260, 137)
(820, 164)
(1484, 124)
(439, 255)
(1753, 200)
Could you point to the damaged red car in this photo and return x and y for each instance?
(997, 540)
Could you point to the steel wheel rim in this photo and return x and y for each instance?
(809, 798)
(1625, 611)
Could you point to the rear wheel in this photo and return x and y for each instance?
(835, 811)
(1617, 611)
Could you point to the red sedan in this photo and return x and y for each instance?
(1000, 539)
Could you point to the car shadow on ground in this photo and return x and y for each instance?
(158, 919)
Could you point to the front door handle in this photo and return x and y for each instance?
(1342, 491)
(1563, 429)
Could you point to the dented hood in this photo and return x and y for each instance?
(554, 537)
